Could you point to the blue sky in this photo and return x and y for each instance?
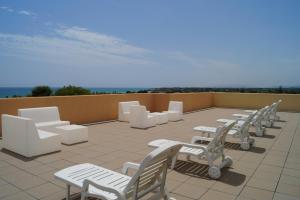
(139, 43)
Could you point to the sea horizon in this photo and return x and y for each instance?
(6, 92)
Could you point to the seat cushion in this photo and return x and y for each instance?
(46, 134)
(52, 124)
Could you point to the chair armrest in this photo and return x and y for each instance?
(131, 165)
(197, 138)
(196, 146)
(250, 111)
(104, 187)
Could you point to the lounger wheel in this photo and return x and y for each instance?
(214, 172)
(260, 132)
(268, 124)
(228, 161)
(245, 145)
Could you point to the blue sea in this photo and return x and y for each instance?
(24, 91)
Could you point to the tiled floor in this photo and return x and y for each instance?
(270, 170)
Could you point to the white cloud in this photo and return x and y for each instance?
(26, 12)
(5, 8)
(21, 12)
(183, 57)
(74, 46)
(201, 63)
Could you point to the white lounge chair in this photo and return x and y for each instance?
(124, 110)
(45, 118)
(240, 130)
(21, 136)
(140, 117)
(175, 111)
(210, 152)
(105, 184)
(257, 120)
(273, 114)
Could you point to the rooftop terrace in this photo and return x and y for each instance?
(270, 170)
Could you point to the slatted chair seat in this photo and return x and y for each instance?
(210, 152)
(185, 149)
(104, 184)
(75, 175)
(239, 130)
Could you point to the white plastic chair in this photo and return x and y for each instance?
(210, 152)
(21, 136)
(175, 111)
(124, 111)
(98, 182)
(140, 118)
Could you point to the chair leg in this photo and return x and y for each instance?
(83, 196)
(174, 162)
(167, 195)
(68, 192)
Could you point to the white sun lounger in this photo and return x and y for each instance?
(257, 121)
(273, 114)
(99, 182)
(210, 152)
(240, 130)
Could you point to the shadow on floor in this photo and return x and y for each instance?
(199, 170)
(264, 136)
(23, 158)
(236, 146)
(275, 127)
(280, 121)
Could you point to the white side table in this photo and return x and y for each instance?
(161, 118)
(71, 134)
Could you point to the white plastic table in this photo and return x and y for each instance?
(71, 134)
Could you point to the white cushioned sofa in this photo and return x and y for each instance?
(124, 110)
(21, 136)
(45, 118)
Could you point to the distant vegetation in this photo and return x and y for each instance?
(39, 91)
(239, 90)
(72, 90)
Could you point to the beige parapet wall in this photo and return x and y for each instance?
(96, 108)
(191, 101)
(78, 109)
(290, 102)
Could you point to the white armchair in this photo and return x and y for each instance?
(140, 118)
(21, 136)
(175, 111)
(45, 118)
(124, 110)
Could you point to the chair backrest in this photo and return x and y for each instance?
(267, 112)
(275, 106)
(18, 133)
(245, 125)
(259, 115)
(137, 114)
(217, 143)
(152, 171)
(42, 114)
(176, 106)
(125, 106)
